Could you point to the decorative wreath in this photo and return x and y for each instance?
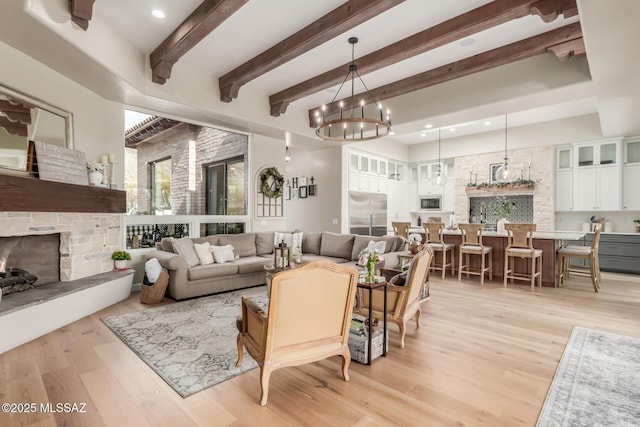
(271, 182)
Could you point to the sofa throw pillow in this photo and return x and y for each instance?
(336, 245)
(203, 250)
(184, 248)
(223, 254)
(311, 242)
(153, 269)
(380, 246)
(264, 242)
(293, 240)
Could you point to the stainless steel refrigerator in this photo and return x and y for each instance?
(367, 213)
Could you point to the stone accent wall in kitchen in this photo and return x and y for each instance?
(86, 239)
(542, 169)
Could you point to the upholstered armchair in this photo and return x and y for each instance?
(403, 302)
(308, 320)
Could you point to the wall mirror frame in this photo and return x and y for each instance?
(24, 118)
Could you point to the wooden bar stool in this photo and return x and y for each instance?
(520, 245)
(435, 240)
(565, 254)
(472, 245)
(401, 229)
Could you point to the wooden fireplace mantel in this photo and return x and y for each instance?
(22, 194)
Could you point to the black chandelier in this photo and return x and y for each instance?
(354, 124)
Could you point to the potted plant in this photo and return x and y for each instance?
(121, 259)
(637, 222)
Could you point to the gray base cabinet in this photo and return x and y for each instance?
(618, 253)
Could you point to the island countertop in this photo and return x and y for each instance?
(552, 235)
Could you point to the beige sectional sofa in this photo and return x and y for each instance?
(252, 252)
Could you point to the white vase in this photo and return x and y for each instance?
(95, 177)
(500, 225)
(121, 264)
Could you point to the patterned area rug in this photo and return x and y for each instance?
(190, 344)
(597, 382)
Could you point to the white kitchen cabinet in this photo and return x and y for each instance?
(378, 184)
(631, 194)
(359, 181)
(632, 151)
(564, 159)
(597, 188)
(597, 154)
(564, 190)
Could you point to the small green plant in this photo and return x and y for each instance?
(121, 256)
(502, 207)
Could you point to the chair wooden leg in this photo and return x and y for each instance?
(240, 349)
(540, 274)
(533, 273)
(593, 273)
(491, 265)
(444, 262)
(265, 376)
(453, 256)
(506, 269)
(467, 264)
(346, 361)
(459, 265)
(418, 313)
(403, 329)
(482, 270)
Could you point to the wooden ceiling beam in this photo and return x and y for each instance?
(334, 23)
(81, 12)
(490, 15)
(564, 51)
(202, 21)
(549, 10)
(500, 56)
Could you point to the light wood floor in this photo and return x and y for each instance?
(483, 357)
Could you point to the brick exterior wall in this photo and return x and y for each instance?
(190, 148)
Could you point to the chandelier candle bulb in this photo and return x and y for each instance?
(341, 105)
(362, 108)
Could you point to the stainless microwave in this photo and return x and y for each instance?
(430, 203)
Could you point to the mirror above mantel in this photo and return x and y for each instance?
(24, 118)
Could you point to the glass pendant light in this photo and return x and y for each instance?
(439, 178)
(287, 155)
(505, 173)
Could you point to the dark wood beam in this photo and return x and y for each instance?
(81, 12)
(334, 23)
(564, 51)
(13, 128)
(202, 21)
(490, 15)
(549, 10)
(500, 56)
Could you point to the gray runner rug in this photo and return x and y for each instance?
(597, 382)
(190, 344)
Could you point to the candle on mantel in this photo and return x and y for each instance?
(103, 159)
(112, 157)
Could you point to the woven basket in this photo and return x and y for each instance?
(153, 294)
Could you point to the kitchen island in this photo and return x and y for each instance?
(547, 241)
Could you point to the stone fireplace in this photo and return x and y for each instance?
(83, 243)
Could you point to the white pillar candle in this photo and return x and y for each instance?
(103, 159)
(112, 157)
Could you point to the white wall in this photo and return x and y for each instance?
(98, 123)
(319, 212)
(264, 152)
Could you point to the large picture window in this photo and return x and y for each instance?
(160, 190)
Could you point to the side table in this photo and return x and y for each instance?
(371, 287)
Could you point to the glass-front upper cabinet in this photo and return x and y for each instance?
(563, 158)
(364, 164)
(382, 168)
(597, 154)
(632, 151)
(354, 162)
(374, 166)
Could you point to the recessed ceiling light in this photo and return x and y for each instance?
(428, 126)
(487, 123)
(467, 42)
(423, 135)
(157, 13)
(452, 129)
(392, 133)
